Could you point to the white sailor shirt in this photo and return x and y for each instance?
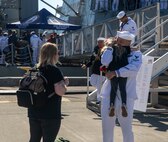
(129, 26)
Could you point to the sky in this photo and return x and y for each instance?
(54, 3)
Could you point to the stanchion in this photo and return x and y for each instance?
(12, 56)
(88, 81)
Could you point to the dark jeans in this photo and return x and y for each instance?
(115, 82)
(44, 128)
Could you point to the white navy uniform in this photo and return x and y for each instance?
(35, 42)
(101, 4)
(129, 26)
(115, 5)
(108, 123)
(3, 42)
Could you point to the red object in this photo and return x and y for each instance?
(103, 69)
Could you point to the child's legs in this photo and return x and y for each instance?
(113, 93)
(122, 85)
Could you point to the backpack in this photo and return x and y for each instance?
(32, 90)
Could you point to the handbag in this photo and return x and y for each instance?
(26, 98)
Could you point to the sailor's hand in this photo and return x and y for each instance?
(110, 75)
(83, 66)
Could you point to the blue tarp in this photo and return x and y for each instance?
(43, 19)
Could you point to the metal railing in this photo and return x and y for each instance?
(151, 34)
(16, 55)
(84, 40)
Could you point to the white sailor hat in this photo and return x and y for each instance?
(32, 32)
(126, 35)
(100, 39)
(5, 33)
(121, 14)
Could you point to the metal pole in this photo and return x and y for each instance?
(76, 13)
(93, 37)
(64, 46)
(87, 81)
(105, 30)
(72, 44)
(142, 31)
(157, 39)
(54, 8)
(12, 54)
(82, 42)
(162, 29)
(138, 24)
(30, 55)
(154, 95)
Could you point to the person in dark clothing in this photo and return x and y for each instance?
(9, 51)
(95, 62)
(118, 59)
(26, 36)
(52, 39)
(12, 37)
(45, 121)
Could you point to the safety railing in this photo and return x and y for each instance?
(153, 33)
(84, 40)
(16, 55)
(8, 54)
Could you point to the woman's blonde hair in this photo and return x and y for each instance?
(108, 42)
(48, 53)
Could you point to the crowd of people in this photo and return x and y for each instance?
(115, 5)
(11, 39)
(118, 58)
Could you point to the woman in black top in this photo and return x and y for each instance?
(45, 121)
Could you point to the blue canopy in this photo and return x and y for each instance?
(43, 19)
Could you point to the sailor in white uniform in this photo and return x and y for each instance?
(130, 71)
(126, 23)
(35, 43)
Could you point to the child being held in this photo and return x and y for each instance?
(113, 58)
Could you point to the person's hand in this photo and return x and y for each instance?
(66, 80)
(110, 75)
(83, 66)
(103, 69)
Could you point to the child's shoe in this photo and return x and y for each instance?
(124, 110)
(112, 111)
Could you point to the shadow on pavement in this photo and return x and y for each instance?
(159, 121)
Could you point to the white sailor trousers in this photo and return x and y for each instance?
(35, 54)
(97, 81)
(108, 123)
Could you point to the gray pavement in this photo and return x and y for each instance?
(79, 123)
(70, 90)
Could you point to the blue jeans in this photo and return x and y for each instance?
(44, 128)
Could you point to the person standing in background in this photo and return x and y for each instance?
(115, 5)
(163, 4)
(101, 5)
(127, 23)
(35, 43)
(95, 61)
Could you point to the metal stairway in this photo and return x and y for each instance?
(82, 42)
